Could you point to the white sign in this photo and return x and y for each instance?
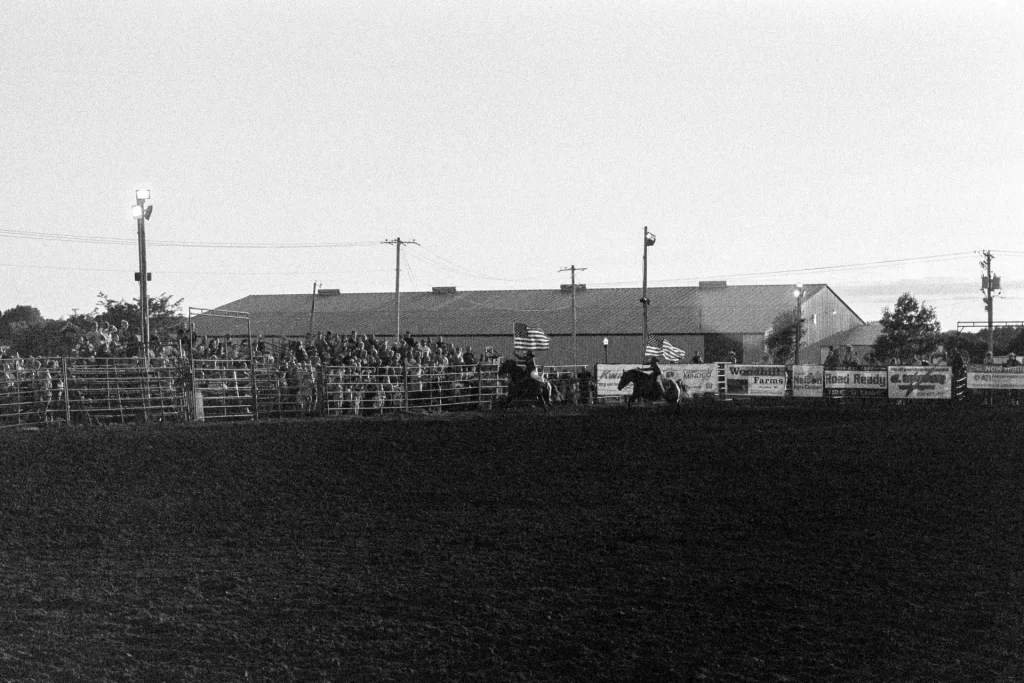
(916, 381)
(857, 383)
(995, 377)
(608, 377)
(755, 380)
(696, 378)
(808, 381)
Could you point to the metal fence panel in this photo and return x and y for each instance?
(31, 391)
(222, 390)
(572, 384)
(124, 390)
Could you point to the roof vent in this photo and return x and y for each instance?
(329, 292)
(712, 284)
(443, 290)
(579, 288)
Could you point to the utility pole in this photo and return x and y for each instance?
(798, 294)
(312, 308)
(398, 242)
(989, 282)
(572, 270)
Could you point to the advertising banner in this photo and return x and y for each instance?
(995, 377)
(698, 378)
(924, 382)
(755, 380)
(608, 377)
(859, 383)
(808, 381)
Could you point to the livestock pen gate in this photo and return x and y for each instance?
(223, 388)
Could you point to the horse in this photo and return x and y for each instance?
(649, 388)
(523, 388)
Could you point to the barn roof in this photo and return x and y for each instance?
(735, 309)
(861, 335)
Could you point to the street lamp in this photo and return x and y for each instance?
(605, 342)
(141, 212)
(798, 294)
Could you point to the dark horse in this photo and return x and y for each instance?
(524, 388)
(650, 388)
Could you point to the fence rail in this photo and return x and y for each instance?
(97, 391)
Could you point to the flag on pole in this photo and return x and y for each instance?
(661, 347)
(532, 338)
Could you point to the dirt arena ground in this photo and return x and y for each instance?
(784, 543)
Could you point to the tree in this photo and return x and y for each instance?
(41, 339)
(910, 329)
(32, 335)
(19, 315)
(164, 314)
(974, 344)
(780, 342)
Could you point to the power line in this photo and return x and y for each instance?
(816, 269)
(178, 272)
(441, 262)
(93, 239)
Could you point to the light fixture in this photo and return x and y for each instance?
(142, 194)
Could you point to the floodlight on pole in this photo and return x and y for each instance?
(605, 342)
(649, 240)
(141, 212)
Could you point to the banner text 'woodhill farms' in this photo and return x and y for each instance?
(755, 380)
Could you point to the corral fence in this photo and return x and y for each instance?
(99, 391)
(93, 391)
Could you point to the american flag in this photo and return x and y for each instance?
(532, 338)
(660, 347)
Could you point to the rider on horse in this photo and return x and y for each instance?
(531, 364)
(656, 377)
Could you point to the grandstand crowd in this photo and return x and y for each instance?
(105, 377)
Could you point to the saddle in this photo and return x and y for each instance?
(657, 384)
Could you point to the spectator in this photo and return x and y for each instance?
(95, 335)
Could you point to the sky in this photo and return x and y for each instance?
(877, 147)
